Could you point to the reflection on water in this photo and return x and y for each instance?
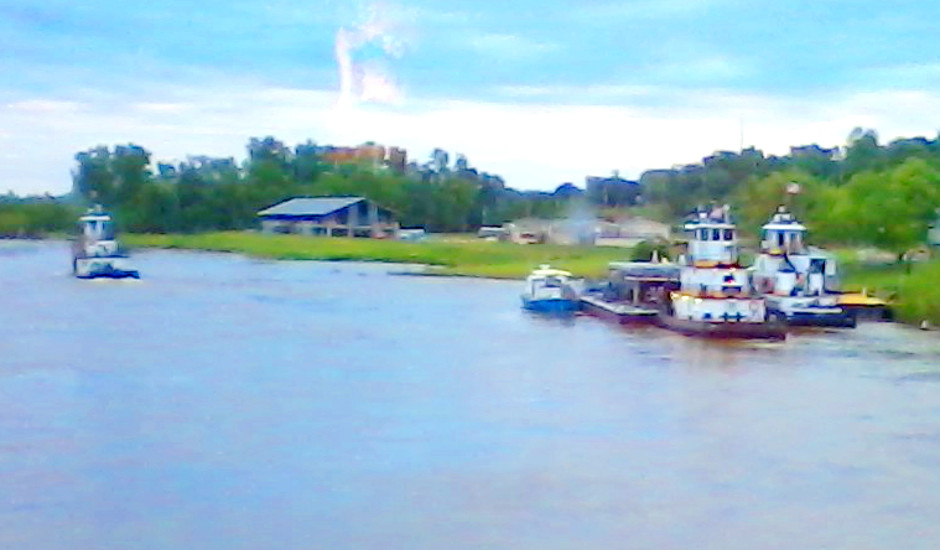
(223, 402)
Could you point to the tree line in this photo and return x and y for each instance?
(864, 193)
(205, 193)
(32, 217)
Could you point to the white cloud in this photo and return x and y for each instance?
(44, 106)
(708, 68)
(163, 107)
(618, 11)
(509, 46)
(533, 145)
(908, 71)
(586, 94)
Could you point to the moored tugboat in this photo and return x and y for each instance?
(796, 280)
(95, 251)
(715, 298)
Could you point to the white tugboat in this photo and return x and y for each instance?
(797, 281)
(95, 252)
(715, 298)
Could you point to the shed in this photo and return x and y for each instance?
(330, 217)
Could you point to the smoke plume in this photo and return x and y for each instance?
(364, 53)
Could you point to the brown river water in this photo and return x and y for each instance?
(228, 403)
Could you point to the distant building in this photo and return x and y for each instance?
(369, 155)
(397, 159)
(631, 231)
(814, 151)
(493, 233)
(627, 232)
(561, 231)
(330, 217)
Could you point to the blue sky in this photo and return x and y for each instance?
(541, 92)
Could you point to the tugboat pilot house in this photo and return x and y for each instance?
(330, 217)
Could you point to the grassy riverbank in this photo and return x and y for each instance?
(474, 258)
(913, 288)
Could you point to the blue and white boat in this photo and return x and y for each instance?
(550, 290)
(95, 251)
(797, 280)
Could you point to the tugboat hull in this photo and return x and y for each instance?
(104, 267)
(770, 330)
(825, 318)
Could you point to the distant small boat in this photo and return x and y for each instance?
(550, 290)
(95, 252)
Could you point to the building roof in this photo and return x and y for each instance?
(318, 206)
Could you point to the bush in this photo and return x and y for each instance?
(643, 251)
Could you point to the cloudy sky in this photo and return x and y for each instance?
(540, 91)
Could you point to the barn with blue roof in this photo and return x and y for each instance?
(330, 217)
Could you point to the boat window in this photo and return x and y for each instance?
(703, 234)
(716, 234)
(107, 231)
(729, 234)
(780, 239)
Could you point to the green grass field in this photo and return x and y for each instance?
(474, 258)
(913, 288)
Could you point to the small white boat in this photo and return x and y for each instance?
(550, 290)
(95, 252)
(797, 280)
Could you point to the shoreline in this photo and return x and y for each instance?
(911, 290)
(444, 258)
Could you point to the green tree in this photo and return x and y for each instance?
(893, 209)
(862, 153)
(93, 179)
(757, 200)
